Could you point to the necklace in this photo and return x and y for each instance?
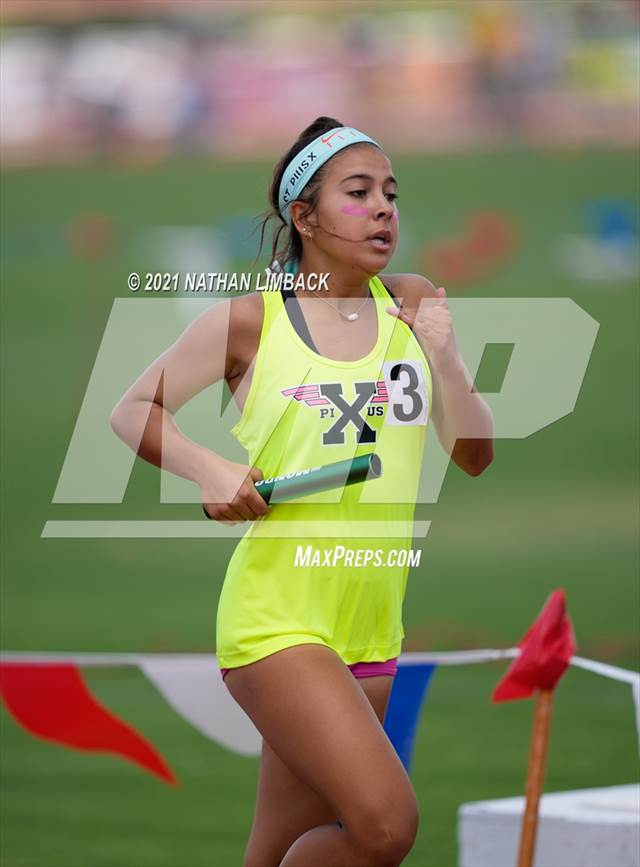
(349, 317)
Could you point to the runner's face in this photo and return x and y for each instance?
(356, 201)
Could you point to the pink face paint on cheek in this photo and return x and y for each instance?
(394, 216)
(354, 210)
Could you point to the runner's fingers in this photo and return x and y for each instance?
(241, 507)
(231, 517)
(256, 474)
(224, 514)
(257, 504)
(250, 503)
(408, 316)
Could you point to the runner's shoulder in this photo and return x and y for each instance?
(412, 288)
(246, 313)
(241, 317)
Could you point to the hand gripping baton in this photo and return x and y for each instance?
(299, 483)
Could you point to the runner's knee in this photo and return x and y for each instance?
(385, 834)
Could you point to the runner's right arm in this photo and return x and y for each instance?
(210, 348)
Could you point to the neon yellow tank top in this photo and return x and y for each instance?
(301, 574)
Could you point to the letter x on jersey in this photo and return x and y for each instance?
(330, 394)
(350, 412)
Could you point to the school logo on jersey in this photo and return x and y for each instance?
(402, 388)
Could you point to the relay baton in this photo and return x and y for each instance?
(301, 482)
(309, 481)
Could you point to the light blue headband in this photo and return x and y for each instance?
(306, 163)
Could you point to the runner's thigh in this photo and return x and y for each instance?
(308, 706)
(285, 806)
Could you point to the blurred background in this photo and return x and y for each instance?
(237, 78)
(142, 136)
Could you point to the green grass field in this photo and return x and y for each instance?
(558, 509)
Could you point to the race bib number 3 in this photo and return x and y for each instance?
(408, 402)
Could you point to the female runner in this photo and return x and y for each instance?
(309, 622)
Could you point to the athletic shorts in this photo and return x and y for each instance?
(360, 669)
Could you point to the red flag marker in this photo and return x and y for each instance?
(53, 702)
(545, 652)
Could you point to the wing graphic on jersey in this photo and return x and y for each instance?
(310, 394)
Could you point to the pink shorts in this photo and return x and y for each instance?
(360, 669)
